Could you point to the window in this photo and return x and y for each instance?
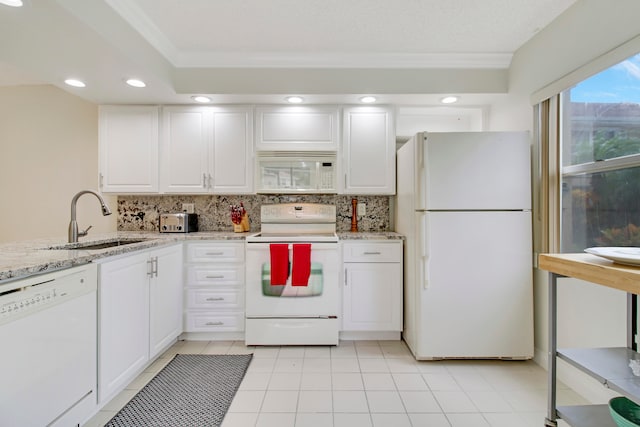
(600, 142)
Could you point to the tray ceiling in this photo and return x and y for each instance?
(251, 50)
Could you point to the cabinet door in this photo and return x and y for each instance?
(128, 147)
(165, 298)
(123, 326)
(369, 151)
(185, 151)
(299, 128)
(372, 297)
(233, 150)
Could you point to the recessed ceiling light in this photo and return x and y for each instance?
(136, 83)
(201, 99)
(12, 3)
(368, 99)
(449, 99)
(294, 99)
(75, 83)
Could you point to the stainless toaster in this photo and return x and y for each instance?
(178, 222)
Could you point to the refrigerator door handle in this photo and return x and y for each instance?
(424, 250)
(421, 178)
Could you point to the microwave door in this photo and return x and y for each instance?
(301, 178)
(276, 177)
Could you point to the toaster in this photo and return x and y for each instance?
(178, 222)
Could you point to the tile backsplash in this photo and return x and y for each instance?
(140, 213)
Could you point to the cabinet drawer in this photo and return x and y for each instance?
(214, 275)
(206, 298)
(372, 252)
(217, 252)
(212, 322)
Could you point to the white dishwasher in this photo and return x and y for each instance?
(48, 362)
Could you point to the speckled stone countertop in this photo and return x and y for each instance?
(370, 235)
(22, 259)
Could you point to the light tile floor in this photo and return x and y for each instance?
(369, 384)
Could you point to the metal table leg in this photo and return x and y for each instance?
(632, 327)
(550, 420)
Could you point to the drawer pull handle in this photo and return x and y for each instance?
(372, 253)
(215, 323)
(215, 277)
(215, 253)
(215, 299)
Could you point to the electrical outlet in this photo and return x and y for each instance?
(362, 209)
(188, 207)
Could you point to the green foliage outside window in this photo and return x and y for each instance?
(605, 206)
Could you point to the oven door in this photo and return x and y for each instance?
(319, 298)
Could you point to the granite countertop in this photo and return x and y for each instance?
(370, 235)
(22, 259)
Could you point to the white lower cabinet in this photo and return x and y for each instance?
(165, 298)
(139, 313)
(372, 287)
(214, 289)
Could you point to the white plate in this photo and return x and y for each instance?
(621, 255)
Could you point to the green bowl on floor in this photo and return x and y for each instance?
(624, 412)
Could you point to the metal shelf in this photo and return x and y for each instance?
(608, 365)
(586, 416)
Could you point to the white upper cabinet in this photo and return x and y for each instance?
(233, 150)
(207, 150)
(187, 138)
(128, 147)
(297, 128)
(368, 164)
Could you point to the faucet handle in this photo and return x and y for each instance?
(85, 232)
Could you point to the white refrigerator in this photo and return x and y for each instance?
(464, 205)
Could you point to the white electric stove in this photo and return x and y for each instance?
(287, 313)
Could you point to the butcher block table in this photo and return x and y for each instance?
(610, 366)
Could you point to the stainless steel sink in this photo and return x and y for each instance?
(97, 245)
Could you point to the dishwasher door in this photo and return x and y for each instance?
(48, 361)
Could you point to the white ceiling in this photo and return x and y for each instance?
(257, 51)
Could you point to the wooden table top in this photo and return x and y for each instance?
(593, 269)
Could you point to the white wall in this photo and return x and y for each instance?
(49, 143)
(585, 32)
(584, 40)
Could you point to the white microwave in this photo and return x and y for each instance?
(286, 172)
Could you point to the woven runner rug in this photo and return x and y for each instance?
(192, 390)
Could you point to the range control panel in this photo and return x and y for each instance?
(298, 212)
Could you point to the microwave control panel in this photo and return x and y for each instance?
(326, 176)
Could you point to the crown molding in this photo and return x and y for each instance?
(136, 17)
(140, 22)
(340, 60)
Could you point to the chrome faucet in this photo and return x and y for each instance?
(73, 225)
